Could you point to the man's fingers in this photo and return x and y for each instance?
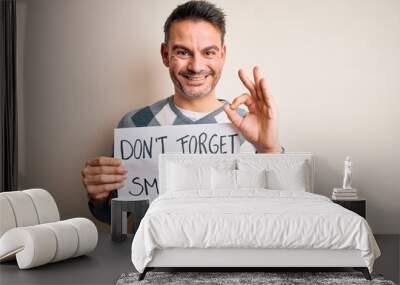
(265, 94)
(257, 77)
(104, 179)
(102, 175)
(269, 100)
(93, 170)
(104, 161)
(249, 85)
(230, 111)
(100, 196)
(242, 99)
(97, 189)
(246, 99)
(235, 118)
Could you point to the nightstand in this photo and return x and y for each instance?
(119, 212)
(358, 206)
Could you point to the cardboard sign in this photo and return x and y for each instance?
(139, 149)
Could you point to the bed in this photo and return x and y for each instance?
(247, 210)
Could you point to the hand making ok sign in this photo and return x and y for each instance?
(259, 126)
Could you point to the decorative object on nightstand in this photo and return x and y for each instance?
(347, 196)
(346, 192)
(358, 206)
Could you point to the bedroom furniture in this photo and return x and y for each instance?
(47, 243)
(104, 265)
(110, 259)
(285, 175)
(31, 231)
(358, 206)
(27, 208)
(119, 212)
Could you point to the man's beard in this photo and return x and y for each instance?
(192, 94)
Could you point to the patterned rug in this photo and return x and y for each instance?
(244, 278)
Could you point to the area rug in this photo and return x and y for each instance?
(244, 278)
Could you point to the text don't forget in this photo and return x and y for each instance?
(203, 143)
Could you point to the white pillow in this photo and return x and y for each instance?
(282, 173)
(251, 178)
(227, 179)
(293, 179)
(183, 177)
(223, 179)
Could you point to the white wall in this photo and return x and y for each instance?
(333, 67)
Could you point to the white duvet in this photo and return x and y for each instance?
(252, 218)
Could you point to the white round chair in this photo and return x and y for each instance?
(31, 230)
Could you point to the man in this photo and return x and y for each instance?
(194, 52)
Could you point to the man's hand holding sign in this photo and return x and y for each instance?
(259, 126)
(103, 175)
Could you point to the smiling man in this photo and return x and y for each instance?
(194, 52)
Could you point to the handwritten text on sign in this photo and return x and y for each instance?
(139, 149)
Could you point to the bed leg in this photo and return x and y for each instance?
(143, 274)
(364, 271)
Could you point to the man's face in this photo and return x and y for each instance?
(195, 57)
